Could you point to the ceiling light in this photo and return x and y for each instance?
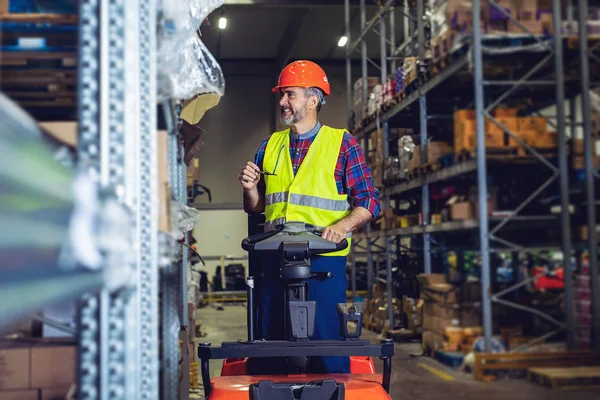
(222, 23)
(343, 40)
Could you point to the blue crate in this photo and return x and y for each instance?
(450, 359)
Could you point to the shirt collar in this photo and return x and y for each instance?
(308, 134)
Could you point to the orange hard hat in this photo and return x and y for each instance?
(303, 74)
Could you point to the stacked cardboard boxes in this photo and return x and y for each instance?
(413, 310)
(533, 131)
(435, 150)
(376, 160)
(377, 308)
(451, 314)
(360, 108)
(29, 371)
(410, 69)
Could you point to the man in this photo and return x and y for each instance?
(318, 175)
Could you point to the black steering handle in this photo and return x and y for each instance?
(298, 232)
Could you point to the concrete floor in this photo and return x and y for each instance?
(414, 378)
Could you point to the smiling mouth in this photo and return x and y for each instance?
(285, 110)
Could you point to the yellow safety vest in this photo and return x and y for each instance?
(311, 196)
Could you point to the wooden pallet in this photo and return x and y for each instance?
(559, 378)
(485, 363)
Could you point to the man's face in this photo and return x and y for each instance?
(294, 105)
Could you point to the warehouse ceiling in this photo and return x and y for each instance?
(260, 37)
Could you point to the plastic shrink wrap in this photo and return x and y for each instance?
(186, 67)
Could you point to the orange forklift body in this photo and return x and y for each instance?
(356, 387)
(237, 366)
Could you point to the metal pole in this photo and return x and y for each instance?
(386, 151)
(481, 178)
(564, 174)
(353, 271)
(250, 289)
(424, 146)
(589, 145)
(393, 38)
(365, 97)
(349, 96)
(170, 322)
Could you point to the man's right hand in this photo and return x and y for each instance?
(249, 176)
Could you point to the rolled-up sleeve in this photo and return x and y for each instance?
(358, 180)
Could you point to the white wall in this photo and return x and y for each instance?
(220, 233)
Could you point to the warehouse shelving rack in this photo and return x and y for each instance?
(476, 50)
(102, 215)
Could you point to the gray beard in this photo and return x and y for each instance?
(293, 118)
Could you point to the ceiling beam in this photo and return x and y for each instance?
(288, 39)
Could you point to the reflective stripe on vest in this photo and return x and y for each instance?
(309, 201)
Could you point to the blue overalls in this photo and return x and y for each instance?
(327, 293)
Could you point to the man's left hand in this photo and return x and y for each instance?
(334, 233)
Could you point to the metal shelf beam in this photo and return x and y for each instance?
(436, 176)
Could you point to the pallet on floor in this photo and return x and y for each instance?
(402, 335)
(489, 362)
(571, 377)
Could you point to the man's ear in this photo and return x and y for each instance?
(314, 101)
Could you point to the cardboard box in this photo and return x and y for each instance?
(467, 134)
(435, 150)
(495, 136)
(427, 280)
(162, 172)
(63, 131)
(492, 200)
(461, 211)
(428, 322)
(502, 112)
(578, 162)
(21, 395)
(378, 290)
(531, 130)
(15, 365)
(440, 293)
(460, 134)
(542, 140)
(44, 360)
(432, 340)
(467, 314)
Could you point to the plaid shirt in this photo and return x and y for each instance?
(352, 174)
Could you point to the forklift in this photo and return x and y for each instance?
(241, 377)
